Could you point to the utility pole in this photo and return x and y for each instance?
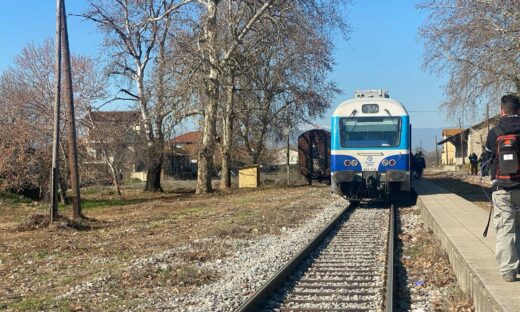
(71, 120)
(487, 118)
(461, 142)
(55, 171)
(436, 153)
(288, 130)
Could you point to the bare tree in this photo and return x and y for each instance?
(27, 96)
(214, 35)
(226, 37)
(477, 44)
(136, 35)
(24, 162)
(287, 77)
(218, 58)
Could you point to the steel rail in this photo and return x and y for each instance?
(257, 301)
(389, 295)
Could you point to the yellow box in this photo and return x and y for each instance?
(249, 176)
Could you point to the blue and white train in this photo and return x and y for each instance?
(370, 147)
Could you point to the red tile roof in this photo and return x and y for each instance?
(189, 137)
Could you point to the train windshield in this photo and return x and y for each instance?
(370, 131)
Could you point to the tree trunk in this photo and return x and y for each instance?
(205, 163)
(287, 162)
(207, 149)
(227, 134)
(62, 180)
(225, 177)
(115, 177)
(153, 173)
(62, 186)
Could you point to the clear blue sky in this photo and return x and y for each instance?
(383, 50)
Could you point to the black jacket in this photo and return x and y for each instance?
(509, 124)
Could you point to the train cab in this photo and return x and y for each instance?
(370, 147)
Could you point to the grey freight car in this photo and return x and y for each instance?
(314, 155)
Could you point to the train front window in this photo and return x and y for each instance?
(370, 131)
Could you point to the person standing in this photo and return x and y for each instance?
(473, 161)
(482, 162)
(420, 164)
(413, 165)
(506, 198)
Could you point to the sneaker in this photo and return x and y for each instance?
(509, 276)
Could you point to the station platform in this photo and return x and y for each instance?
(458, 224)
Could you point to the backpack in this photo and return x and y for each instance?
(508, 150)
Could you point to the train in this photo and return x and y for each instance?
(370, 147)
(314, 155)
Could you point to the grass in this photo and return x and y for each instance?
(13, 199)
(192, 226)
(44, 303)
(87, 204)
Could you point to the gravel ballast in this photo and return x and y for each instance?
(425, 279)
(242, 273)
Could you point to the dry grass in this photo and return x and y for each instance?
(40, 264)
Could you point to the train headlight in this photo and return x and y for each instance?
(384, 162)
(392, 162)
(354, 162)
(347, 162)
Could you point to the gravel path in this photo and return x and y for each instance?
(244, 271)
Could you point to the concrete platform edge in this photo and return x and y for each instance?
(466, 277)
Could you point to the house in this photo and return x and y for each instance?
(178, 164)
(477, 134)
(190, 142)
(449, 146)
(473, 141)
(181, 155)
(115, 137)
(280, 156)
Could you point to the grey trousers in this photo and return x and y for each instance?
(507, 228)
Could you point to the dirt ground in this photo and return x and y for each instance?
(38, 266)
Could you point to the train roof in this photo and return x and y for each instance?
(386, 106)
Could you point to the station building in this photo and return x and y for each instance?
(473, 141)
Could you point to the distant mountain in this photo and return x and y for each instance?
(426, 137)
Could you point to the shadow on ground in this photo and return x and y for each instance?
(474, 193)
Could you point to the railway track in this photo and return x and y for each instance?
(347, 267)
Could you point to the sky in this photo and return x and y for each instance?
(383, 50)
